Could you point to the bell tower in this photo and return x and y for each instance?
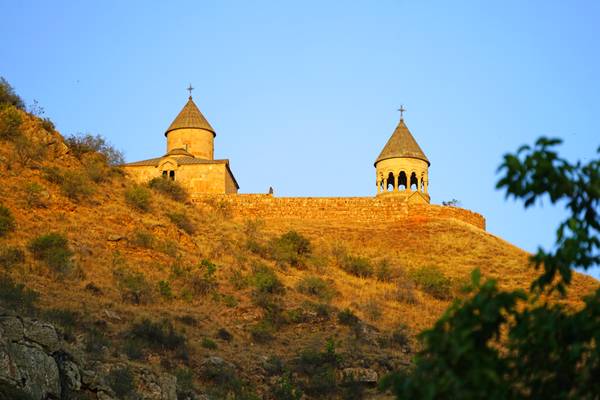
(402, 168)
(191, 132)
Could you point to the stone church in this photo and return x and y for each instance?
(189, 159)
(401, 168)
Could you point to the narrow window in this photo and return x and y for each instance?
(164, 174)
(172, 175)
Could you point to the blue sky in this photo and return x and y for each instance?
(303, 95)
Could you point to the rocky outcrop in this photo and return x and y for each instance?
(36, 364)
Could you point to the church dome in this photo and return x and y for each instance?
(190, 117)
(402, 144)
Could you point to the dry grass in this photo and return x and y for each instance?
(454, 247)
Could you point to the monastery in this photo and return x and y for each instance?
(401, 168)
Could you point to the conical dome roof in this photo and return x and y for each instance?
(402, 144)
(190, 117)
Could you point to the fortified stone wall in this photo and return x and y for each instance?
(339, 209)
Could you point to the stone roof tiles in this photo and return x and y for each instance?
(402, 144)
(190, 117)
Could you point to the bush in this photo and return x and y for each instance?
(33, 193)
(348, 318)
(262, 332)
(286, 389)
(164, 288)
(400, 336)
(121, 382)
(315, 286)
(207, 282)
(96, 342)
(53, 175)
(158, 335)
(27, 151)
(138, 197)
(265, 280)
(183, 222)
(8, 97)
(10, 123)
(143, 239)
(229, 300)
(53, 249)
(75, 185)
(11, 256)
(224, 334)
(83, 144)
(133, 286)
(15, 296)
(290, 248)
(405, 292)
(169, 188)
(432, 281)
(185, 383)
(383, 272)
(320, 367)
(358, 266)
(7, 221)
(134, 349)
(208, 344)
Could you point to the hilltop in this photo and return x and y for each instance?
(267, 307)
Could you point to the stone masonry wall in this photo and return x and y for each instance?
(339, 209)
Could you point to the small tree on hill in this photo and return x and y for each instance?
(499, 344)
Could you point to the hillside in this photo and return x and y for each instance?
(327, 310)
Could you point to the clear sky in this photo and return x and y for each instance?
(303, 95)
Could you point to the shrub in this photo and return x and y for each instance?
(143, 239)
(96, 169)
(15, 296)
(322, 310)
(320, 367)
(53, 249)
(138, 197)
(164, 288)
(33, 193)
(290, 248)
(121, 382)
(348, 318)
(383, 272)
(75, 185)
(7, 221)
(229, 300)
(357, 266)
(53, 175)
(158, 335)
(262, 332)
(169, 247)
(183, 222)
(432, 281)
(11, 256)
(208, 344)
(83, 144)
(134, 349)
(133, 286)
(405, 292)
(315, 286)
(224, 334)
(372, 309)
(238, 280)
(400, 336)
(185, 383)
(10, 123)
(27, 151)
(169, 188)
(8, 97)
(286, 389)
(207, 282)
(265, 280)
(96, 342)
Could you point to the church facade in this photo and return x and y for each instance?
(189, 159)
(401, 168)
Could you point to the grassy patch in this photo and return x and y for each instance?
(139, 198)
(133, 286)
(315, 286)
(15, 296)
(169, 188)
(291, 248)
(183, 222)
(7, 221)
(53, 249)
(433, 281)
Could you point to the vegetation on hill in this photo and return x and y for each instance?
(137, 275)
(500, 344)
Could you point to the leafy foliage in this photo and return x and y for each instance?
(433, 281)
(7, 221)
(358, 266)
(499, 344)
(10, 123)
(139, 198)
(88, 143)
(158, 335)
(8, 95)
(169, 188)
(53, 249)
(16, 296)
(315, 286)
(290, 249)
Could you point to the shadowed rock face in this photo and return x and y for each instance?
(36, 364)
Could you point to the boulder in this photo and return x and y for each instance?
(360, 375)
(41, 333)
